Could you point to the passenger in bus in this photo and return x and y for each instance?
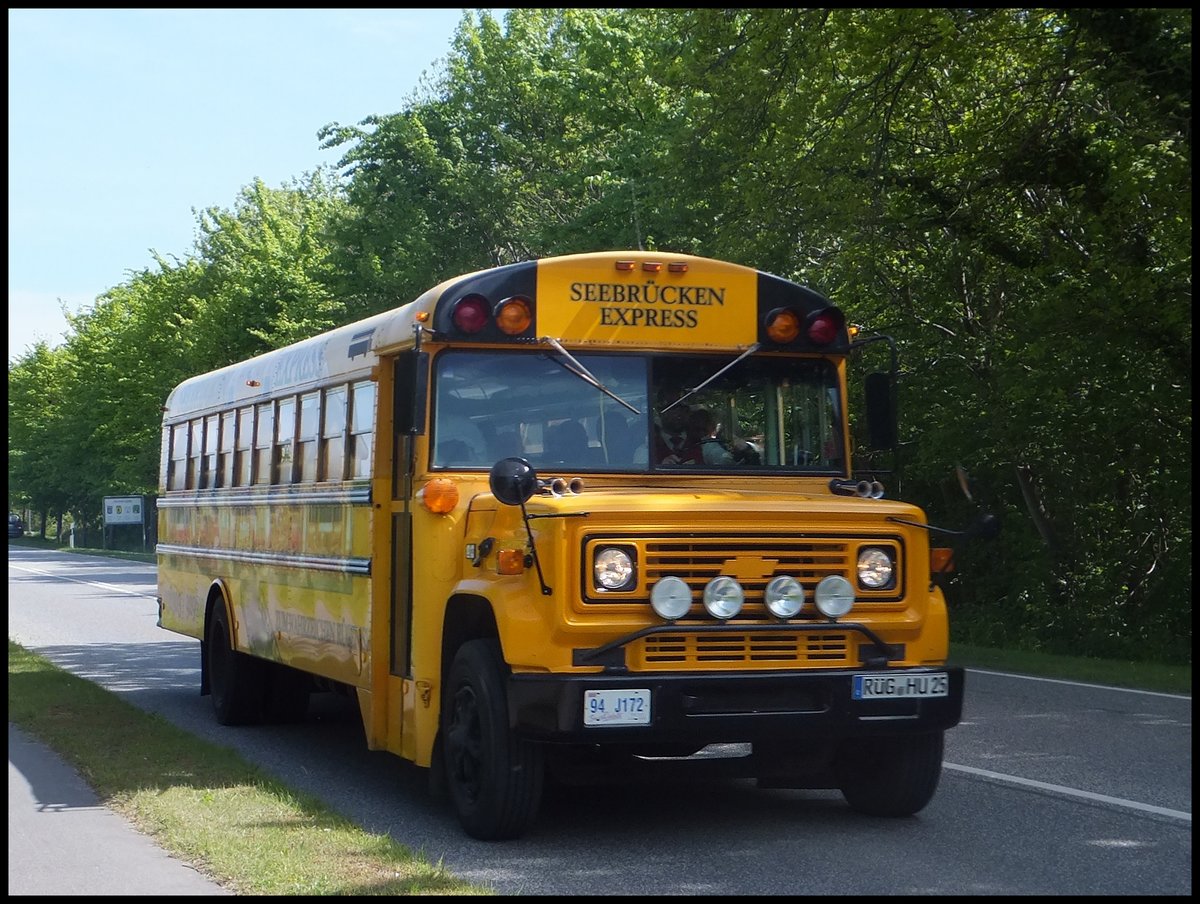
(505, 443)
(672, 445)
(567, 442)
(459, 442)
(704, 445)
(621, 440)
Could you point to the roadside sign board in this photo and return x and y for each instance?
(123, 509)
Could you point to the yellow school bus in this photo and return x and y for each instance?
(582, 510)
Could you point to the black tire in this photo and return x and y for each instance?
(237, 682)
(890, 776)
(493, 778)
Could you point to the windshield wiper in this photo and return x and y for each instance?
(583, 373)
(695, 389)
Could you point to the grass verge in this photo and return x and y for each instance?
(205, 804)
(1146, 676)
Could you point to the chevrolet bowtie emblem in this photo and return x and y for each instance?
(749, 568)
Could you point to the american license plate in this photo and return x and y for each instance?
(882, 687)
(624, 707)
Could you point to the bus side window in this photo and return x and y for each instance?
(240, 476)
(362, 428)
(195, 449)
(178, 474)
(306, 438)
(264, 434)
(208, 470)
(225, 459)
(333, 435)
(285, 438)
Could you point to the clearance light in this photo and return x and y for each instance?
(422, 316)
(510, 561)
(783, 326)
(625, 265)
(823, 326)
(651, 266)
(470, 314)
(677, 267)
(440, 496)
(513, 316)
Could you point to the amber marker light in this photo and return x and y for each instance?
(783, 326)
(941, 560)
(624, 265)
(651, 266)
(513, 316)
(440, 496)
(422, 316)
(677, 267)
(510, 561)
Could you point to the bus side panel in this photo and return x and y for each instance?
(294, 592)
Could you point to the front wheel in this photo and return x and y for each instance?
(890, 776)
(493, 778)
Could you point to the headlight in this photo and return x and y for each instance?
(671, 597)
(723, 597)
(784, 596)
(613, 569)
(876, 570)
(834, 596)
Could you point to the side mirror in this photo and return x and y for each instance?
(513, 481)
(881, 411)
(986, 526)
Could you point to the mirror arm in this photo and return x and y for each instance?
(546, 591)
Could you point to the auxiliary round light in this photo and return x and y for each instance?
(834, 596)
(723, 597)
(784, 596)
(612, 568)
(671, 597)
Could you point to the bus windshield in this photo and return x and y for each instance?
(762, 414)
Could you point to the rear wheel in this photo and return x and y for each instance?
(236, 681)
(890, 776)
(493, 778)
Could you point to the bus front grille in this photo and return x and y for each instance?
(753, 561)
(747, 649)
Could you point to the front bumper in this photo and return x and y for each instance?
(731, 707)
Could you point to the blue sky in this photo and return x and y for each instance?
(122, 122)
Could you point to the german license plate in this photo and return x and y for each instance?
(890, 687)
(625, 707)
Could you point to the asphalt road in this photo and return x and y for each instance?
(1049, 787)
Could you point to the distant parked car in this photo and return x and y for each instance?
(16, 527)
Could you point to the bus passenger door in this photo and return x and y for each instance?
(408, 421)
